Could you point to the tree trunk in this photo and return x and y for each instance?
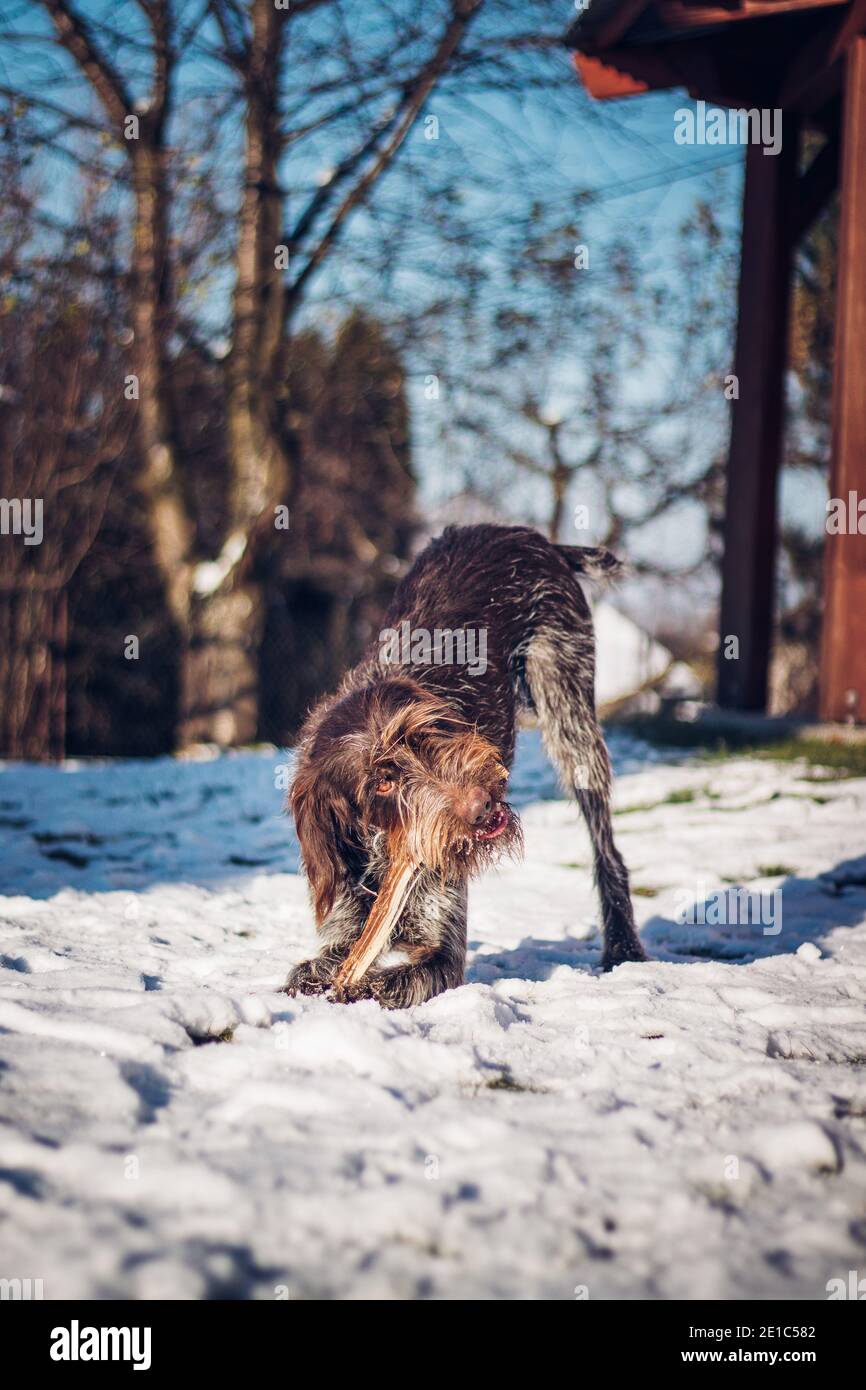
(258, 464)
(228, 621)
(168, 521)
(151, 290)
(222, 667)
(32, 673)
(151, 310)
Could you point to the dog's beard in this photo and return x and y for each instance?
(430, 835)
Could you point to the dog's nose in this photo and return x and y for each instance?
(475, 805)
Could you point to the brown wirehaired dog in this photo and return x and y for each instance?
(408, 762)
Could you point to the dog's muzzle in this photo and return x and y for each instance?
(497, 822)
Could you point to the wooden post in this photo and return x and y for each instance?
(748, 568)
(843, 651)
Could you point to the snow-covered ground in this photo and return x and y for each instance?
(174, 1128)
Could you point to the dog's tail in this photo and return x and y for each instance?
(592, 561)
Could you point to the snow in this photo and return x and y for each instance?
(627, 658)
(172, 1127)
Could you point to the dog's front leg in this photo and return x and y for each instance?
(342, 925)
(432, 935)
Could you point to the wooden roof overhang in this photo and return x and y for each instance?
(765, 53)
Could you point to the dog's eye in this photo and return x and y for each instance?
(385, 786)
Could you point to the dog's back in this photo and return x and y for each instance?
(488, 591)
(508, 575)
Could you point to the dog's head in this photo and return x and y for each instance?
(392, 761)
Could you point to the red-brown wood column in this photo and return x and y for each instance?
(757, 417)
(843, 651)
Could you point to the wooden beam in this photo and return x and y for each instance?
(843, 651)
(813, 80)
(680, 14)
(816, 187)
(854, 23)
(748, 568)
(617, 21)
(815, 76)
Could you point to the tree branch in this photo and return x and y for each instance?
(415, 94)
(74, 34)
(236, 44)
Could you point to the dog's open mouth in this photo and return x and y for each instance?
(497, 822)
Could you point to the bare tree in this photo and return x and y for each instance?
(140, 128)
(61, 440)
(218, 603)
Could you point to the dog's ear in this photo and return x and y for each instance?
(322, 821)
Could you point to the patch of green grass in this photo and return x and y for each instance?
(777, 796)
(675, 798)
(841, 758)
(505, 1082)
(845, 759)
(225, 1036)
(641, 892)
(717, 1197)
(775, 871)
(573, 864)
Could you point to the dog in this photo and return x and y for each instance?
(409, 760)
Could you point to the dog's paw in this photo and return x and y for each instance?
(622, 952)
(310, 977)
(371, 986)
(391, 989)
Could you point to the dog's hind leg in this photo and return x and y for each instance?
(560, 673)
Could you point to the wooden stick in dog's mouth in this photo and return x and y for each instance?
(390, 901)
